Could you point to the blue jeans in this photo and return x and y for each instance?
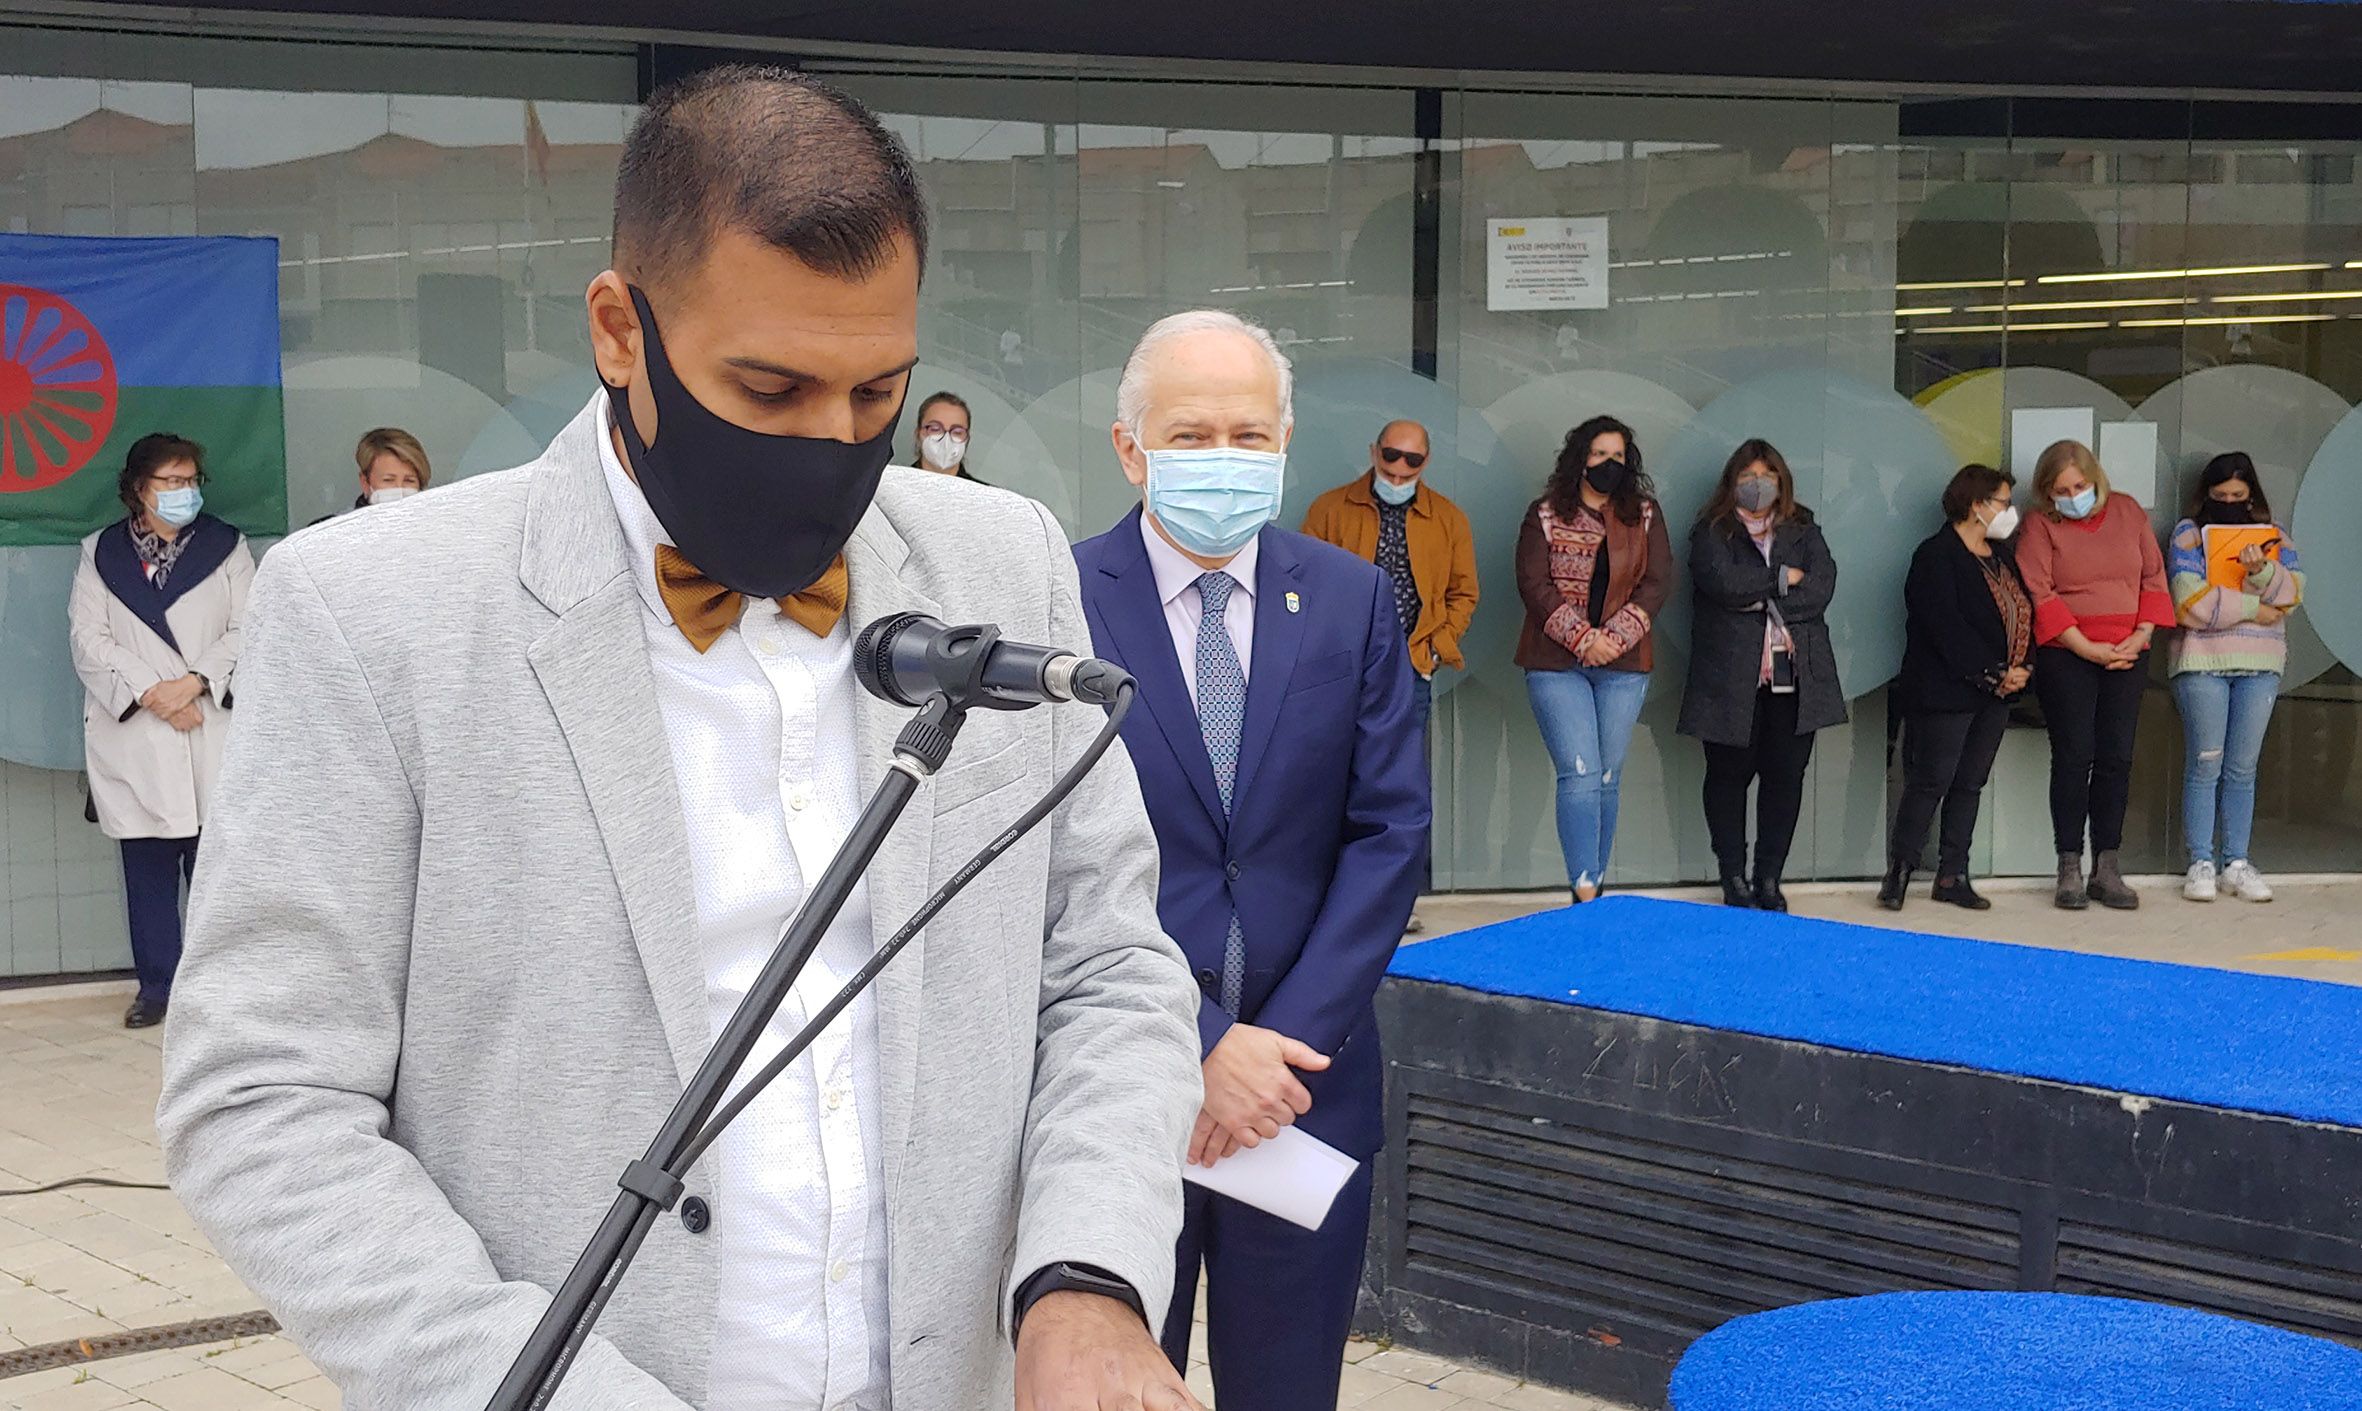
(1587, 714)
(2223, 721)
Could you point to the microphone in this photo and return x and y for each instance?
(910, 656)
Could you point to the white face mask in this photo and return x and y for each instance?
(2002, 525)
(942, 450)
(391, 493)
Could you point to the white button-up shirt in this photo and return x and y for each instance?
(1176, 588)
(762, 733)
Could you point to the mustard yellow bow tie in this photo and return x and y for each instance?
(704, 609)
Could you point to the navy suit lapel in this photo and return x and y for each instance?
(1135, 618)
(208, 542)
(1279, 633)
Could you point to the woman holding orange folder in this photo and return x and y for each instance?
(2234, 581)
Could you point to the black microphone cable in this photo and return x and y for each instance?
(712, 1131)
(985, 857)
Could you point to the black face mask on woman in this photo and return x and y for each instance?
(2216, 511)
(1608, 477)
(759, 514)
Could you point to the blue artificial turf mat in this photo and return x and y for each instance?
(2217, 1038)
(2009, 1352)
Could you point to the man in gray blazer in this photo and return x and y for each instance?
(529, 772)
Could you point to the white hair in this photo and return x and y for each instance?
(1131, 395)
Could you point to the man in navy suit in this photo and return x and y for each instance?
(1278, 746)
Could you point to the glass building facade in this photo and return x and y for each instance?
(1879, 284)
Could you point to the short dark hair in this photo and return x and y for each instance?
(2231, 465)
(771, 152)
(1971, 486)
(149, 454)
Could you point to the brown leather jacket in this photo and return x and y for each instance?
(1640, 577)
(1443, 560)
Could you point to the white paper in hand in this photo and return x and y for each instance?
(1295, 1176)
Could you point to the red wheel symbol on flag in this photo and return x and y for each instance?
(57, 389)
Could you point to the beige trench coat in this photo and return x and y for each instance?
(147, 779)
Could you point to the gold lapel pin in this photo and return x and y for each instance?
(1295, 604)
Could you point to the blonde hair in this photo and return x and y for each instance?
(2055, 461)
(401, 445)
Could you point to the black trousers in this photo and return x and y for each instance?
(1947, 757)
(1776, 760)
(2092, 713)
(153, 870)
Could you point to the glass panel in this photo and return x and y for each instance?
(1290, 207)
(433, 254)
(998, 313)
(1736, 305)
(2276, 370)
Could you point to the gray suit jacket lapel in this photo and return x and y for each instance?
(899, 878)
(593, 666)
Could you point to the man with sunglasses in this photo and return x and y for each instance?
(1390, 517)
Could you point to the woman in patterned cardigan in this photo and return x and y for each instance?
(1594, 566)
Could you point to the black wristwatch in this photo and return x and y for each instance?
(1075, 1278)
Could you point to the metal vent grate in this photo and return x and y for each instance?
(1604, 1225)
(2306, 1298)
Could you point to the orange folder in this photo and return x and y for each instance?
(2224, 544)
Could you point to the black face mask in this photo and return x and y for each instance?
(2217, 512)
(1607, 477)
(759, 514)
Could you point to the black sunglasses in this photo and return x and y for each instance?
(1413, 459)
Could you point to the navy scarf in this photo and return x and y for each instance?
(209, 544)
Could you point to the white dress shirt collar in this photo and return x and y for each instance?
(1175, 573)
(642, 532)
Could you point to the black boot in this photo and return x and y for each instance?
(2108, 887)
(1768, 896)
(1896, 885)
(2070, 895)
(1957, 891)
(1735, 891)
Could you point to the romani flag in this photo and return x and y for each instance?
(103, 340)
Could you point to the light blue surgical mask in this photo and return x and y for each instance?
(1392, 493)
(2079, 504)
(1212, 501)
(178, 508)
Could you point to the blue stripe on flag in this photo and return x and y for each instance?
(178, 311)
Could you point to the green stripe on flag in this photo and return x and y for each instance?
(241, 429)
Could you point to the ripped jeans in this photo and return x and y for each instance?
(2223, 721)
(1587, 714)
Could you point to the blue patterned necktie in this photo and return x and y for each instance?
(1221, 711)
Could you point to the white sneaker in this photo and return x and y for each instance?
(2199, 885)
(2245, 882)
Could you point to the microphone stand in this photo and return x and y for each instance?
(653, 1183)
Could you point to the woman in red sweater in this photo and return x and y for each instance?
(2097, 578)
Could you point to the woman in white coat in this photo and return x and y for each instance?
(155, 613)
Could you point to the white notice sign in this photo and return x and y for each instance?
(1546, 262)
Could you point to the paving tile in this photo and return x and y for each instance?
(207, 1389)
(1477, 1386)
(1405, 1365)
(87, 1394)
(1411, 1397)
(1528, 1397)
